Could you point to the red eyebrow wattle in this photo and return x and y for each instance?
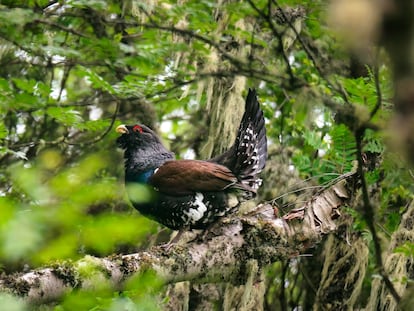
(137, 128)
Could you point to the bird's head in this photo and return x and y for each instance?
(136, 135)
(143, 148)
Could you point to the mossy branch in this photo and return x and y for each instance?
(221, 255)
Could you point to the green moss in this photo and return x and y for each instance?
(66, 272)
(16, 285)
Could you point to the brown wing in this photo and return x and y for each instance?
(184, 177)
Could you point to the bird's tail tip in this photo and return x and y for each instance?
(247, 157)
(251, 143)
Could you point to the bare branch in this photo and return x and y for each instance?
(61, 27)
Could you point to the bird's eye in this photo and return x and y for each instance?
(137, 129)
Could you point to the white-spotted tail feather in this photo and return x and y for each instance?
(247, 157)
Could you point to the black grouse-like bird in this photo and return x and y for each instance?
(192, 193)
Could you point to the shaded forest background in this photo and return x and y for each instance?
(334, 82)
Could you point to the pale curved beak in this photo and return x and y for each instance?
(122, 129)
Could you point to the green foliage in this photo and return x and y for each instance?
(139, 292)
(337, 149)
(71, 70)
(52, 219)
(12, 303)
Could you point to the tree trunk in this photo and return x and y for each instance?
(397, 36)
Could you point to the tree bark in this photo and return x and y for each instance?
(397, 37)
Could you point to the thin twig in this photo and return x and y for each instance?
(378, 89)
(282, 294)
(340, 90)
(118, 104)
(276, 33)
(369, 215)
(61, 27)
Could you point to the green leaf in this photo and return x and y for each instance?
(66, 116)
(16, 17)
(94, 125)
(313, 139)
(3, 130)
(104, 232)
(96, 4)
(24, 228)
(12, 303)
(96, 80)
(25, 85)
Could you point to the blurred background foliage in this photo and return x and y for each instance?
(70, 71)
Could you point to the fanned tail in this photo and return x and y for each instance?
(247, 157)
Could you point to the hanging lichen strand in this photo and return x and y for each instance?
(224, 96)
(398, 266)
(217, 89)
(346, 260)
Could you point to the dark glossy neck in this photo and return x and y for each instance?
(140, 164)
(141, 178)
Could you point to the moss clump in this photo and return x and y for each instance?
(66, 272)
(16, 285)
